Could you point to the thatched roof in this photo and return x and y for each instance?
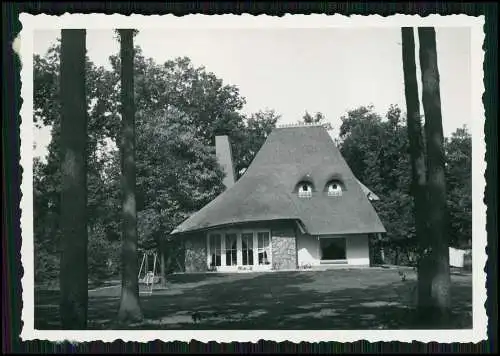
(267, 190)
(369, 194)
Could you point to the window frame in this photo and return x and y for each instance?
(332, 261)
(239, 249)
(267, 249)
(339, 192)
(245, 252)
(334, 193)
(305, 193)
(210, 252)
(230, 249)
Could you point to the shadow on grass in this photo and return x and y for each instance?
(181, 278)
(285, 300)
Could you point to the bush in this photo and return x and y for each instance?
(103, 257)
(46, 265)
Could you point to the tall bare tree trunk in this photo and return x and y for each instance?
(418, 165)
(130, 309)
(73, 267)
(436, 185)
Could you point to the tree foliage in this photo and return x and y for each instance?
(47, 174)
(317, 118)
(177, 174)
(179, 110)
(377, 151)
(248, 141)
(458, 150)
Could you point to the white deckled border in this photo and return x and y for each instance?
(31, 23)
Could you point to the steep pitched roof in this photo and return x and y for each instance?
(267, 189)
(369, 194)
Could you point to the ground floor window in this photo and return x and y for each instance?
(264, 250)
(231, 250)
(215, 250)
(239, 248)
(247, 248)
(333, 248)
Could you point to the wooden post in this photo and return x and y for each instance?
(162, 263)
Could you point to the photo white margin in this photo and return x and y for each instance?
(30, 23)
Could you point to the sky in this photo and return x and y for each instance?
(330, 70)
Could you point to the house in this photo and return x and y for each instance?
(459, 257)
(298, 204)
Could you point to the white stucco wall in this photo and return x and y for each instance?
(307, 250)
(457, 257)
(357, 252)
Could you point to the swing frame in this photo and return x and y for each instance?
(149, 276)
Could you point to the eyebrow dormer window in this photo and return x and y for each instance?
(334, 189)
(305, 190)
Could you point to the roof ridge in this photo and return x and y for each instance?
(300, 124)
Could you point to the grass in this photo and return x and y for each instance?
(335, 299)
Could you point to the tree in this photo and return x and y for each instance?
(439, 282)
(176, 175)
(418, 165)
(130, 309)
(73, 268)
(174, 103)
(102, 195)
(251, 137)
(318, 118)
(372, 147)
(46, 225)
(459, 187)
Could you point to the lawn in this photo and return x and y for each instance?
(370, 298)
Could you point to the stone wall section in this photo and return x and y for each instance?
(284, 249)
(195, 253)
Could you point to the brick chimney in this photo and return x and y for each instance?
(225, 159)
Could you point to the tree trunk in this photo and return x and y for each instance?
(73, 267)
(418, 166)
(436, 207)
(130, 310)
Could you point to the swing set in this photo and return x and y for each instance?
(148, 276)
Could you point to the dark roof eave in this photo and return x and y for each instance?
(300, 225)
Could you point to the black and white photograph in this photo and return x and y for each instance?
(236, 178)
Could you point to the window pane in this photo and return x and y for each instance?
(247, 240)
(264, 249)
(215, 250)
(231, 249)
(247, 248)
